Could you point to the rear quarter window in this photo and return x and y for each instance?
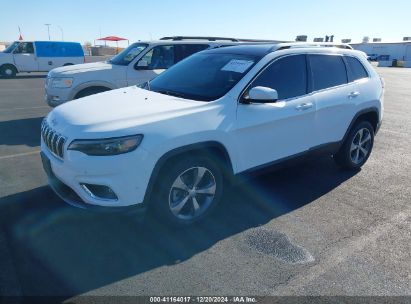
(327, 71)
(356, 69)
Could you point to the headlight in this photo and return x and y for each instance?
(105, 147)
(61, 82)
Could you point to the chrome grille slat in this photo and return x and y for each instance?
(53, 140)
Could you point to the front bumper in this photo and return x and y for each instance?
(70, 197)
(127, 175)
(56, 96)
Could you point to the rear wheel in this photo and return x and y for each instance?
(188, 191)
(357, 147)
(8, 70)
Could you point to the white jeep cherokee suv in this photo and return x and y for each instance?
(174, 144)
(140, 62)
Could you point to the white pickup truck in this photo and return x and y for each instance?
(39, 56)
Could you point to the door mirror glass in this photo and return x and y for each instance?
(262, 95)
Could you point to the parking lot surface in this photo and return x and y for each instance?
(311, 229)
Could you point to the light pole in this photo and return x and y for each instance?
(48, 29)
(62, 33)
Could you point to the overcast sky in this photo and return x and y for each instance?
(151, 19)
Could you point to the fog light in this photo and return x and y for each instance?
(99, 192)
(56, 98)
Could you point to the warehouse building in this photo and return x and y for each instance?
(387, 53)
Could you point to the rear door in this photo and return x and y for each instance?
(25, 58)
(334, 95)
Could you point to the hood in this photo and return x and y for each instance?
(116, 112)
(81, 68)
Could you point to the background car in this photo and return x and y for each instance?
(140, 62)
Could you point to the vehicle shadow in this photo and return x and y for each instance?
(63, 251)
(21, 132)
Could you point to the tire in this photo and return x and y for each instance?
(8, 70)
(357, 146)
(91, 91)
(187, 191)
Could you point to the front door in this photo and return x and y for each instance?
(270, 132)
(25, 58)
(153, 63)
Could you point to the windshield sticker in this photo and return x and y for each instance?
(237, 65)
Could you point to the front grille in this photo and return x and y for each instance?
(53, 140)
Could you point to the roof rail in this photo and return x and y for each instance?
(260, 40)
(292, 45)
(180, 38)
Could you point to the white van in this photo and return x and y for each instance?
(39, 56)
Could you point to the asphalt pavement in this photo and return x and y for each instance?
(310, 229)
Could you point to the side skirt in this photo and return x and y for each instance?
(312, 153)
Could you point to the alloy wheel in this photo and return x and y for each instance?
(360, 146)
(192, 193)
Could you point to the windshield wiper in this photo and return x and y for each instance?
(171, 93)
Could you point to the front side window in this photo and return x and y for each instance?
(159, 58)
(327, 71)
(356, 69)
(25, 48)
(128, 55)
(288, 76)
(204, 76)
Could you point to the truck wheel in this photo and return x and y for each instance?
(187, 191)
(357, 146)
(8, 70)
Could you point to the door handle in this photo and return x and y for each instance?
(354, 94)
(304, 106)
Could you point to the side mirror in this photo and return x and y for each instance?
(262, 95)
(142, 65)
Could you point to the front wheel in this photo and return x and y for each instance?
(8, 71)
(188, 191)
(357, 146)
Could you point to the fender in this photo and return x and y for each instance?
(89, 84)
(359, 113)
(201, 146)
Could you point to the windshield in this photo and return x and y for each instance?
(203, 76)
(128, 55)
(11, 47)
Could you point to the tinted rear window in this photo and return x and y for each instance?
(356, 69)
(327, 71)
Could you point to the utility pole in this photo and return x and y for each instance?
(48, 29)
